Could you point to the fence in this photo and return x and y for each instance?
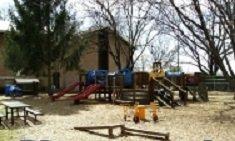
(218, 83)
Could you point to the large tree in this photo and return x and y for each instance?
(197, 27)
(41, 37)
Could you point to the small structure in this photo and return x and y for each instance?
(28, 85)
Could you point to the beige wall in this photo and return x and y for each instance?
(89, 60)
(112, 65)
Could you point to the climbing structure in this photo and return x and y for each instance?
(163, 89)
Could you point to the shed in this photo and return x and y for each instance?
(28, 85)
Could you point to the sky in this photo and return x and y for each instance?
(6, 4)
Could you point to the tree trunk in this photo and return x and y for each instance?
(49, 78)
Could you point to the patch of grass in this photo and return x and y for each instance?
(7, 135)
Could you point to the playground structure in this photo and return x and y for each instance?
(66, 90)
(130, 87)
(168, 85)
(94, 83)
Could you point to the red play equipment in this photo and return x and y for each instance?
(66, 90)
(87, 92)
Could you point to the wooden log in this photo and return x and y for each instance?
(147, 136)
(110, 130)
(124, 102)
(126, 131)
(147, 132)
(135, 90)
(123, 132)
(96, 127)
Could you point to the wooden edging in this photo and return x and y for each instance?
(96, 127)
(124, 102)
(127, 131)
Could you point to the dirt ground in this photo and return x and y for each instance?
(214, 120)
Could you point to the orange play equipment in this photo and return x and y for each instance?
(140, 112)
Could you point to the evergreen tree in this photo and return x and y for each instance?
(41, 37)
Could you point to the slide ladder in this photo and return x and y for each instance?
(175, 85)
(179, 88)
(66, 90)
(168, 99)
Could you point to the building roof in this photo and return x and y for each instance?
(25, 80)
(4, 26)
(93, 30)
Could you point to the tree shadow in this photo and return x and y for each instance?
(60, 107)
(226, 115)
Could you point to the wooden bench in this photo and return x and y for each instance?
(33, 112)
(1, 116)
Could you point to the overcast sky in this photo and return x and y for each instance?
(6, 4)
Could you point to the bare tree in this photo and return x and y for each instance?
(225, 11)
(161, 52)
(128, 18)
(196, 27)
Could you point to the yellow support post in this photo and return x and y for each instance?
(154, 110)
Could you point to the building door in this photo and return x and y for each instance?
(103, 54)
(56, 79)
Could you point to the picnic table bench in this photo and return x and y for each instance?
(14, 105)
(33, 112)
(1, 116)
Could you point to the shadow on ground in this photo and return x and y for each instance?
(59, 107)
(226, 115)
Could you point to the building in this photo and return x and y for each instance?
(95, 56)
(4, 26)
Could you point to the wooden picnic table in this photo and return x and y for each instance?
(15, 105)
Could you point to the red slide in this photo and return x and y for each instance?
(66, 90)
(87, 92)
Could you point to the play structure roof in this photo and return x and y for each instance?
(23, 81)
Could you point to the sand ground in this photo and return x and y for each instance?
(213, 120)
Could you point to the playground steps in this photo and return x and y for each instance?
(162, 101)
(193, 91)
(165, 87)
(167, 96)
(200, 90)
(175, 85)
